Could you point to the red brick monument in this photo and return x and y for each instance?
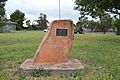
(53, 50)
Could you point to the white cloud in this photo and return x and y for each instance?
(32, 8)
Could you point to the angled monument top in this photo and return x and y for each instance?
(56, 43)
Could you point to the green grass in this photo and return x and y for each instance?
(99, 53)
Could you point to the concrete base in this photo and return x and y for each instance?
(55, 69)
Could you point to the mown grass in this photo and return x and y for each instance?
(99, 53)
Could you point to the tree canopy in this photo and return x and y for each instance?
(2, 9)
(106, 23)
(92, 25)
(116, 24)
(42, 21)
(18, 17)
(97, 8)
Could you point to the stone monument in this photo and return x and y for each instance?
(53, 50)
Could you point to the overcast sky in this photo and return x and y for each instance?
(33, 8)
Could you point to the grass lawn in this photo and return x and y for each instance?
(99, 53)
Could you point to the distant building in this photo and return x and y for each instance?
(8, 26)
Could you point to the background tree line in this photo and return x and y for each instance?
(95, 8)
(19, 17)
(105, 24)
(100, 9)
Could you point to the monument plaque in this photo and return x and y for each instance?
(61, 32)
(53, 50)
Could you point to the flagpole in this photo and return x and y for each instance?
(59, 10)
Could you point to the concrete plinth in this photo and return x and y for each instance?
(65, 68)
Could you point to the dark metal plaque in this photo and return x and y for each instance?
(61, 32)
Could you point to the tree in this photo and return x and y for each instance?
(81, 24)
(35, 25)
(106, 23)
(79, 27)
(42, 21)
(18, 17)
(96, 8)
(2, 9)
(116, 24)
(28, 23)
(92, 25)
